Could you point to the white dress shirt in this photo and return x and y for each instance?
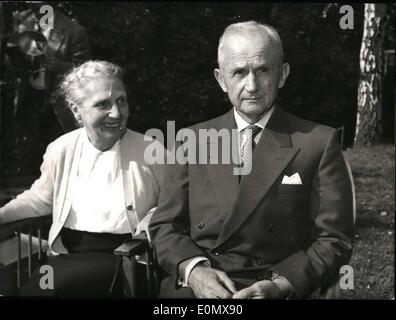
(241, 124)
(98, 195)
(37, 80)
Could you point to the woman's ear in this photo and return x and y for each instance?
(76, 111)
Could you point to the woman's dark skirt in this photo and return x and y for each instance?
(87, 271)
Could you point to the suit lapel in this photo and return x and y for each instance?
(271, 155)
(58, 33)
(56, 40)
(221, 175)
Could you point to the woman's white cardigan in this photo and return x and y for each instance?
(51, 192)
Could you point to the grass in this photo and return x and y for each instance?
(373, 169)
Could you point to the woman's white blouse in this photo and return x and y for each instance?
(98, 203)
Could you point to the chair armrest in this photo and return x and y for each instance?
(9, 228)
(133, 255)
(13, 242)
(132, 247)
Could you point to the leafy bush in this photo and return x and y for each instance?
(169, 51)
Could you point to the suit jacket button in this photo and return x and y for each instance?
(270, 227)
(130, 207)
(201, 225)
(216, 254)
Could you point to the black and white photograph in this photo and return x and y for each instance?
(187, 151)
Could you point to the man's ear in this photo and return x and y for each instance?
(284, 74)
(220, 79)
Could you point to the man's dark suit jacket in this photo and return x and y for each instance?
(303, 232)
(68, 42)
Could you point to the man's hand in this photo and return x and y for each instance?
(211, 283)
(279, 288)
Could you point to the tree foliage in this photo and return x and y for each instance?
(169, 51)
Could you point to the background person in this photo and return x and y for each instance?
(40, 55)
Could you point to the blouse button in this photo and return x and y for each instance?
(130, 207)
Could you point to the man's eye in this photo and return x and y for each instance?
(238, 72)
(263, 70)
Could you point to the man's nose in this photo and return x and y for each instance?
(251, 82)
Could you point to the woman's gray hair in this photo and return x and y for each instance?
(73, 84)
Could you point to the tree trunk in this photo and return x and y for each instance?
(368, 123)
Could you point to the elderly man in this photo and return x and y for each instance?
(281, 231)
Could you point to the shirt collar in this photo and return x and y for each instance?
(262, 122)
(91, 148)
(91, 154)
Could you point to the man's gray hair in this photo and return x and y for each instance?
(74, 83)
(246, 27)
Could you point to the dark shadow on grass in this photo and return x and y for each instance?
(364, 173)
(368, 219)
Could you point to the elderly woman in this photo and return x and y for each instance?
(95, 182)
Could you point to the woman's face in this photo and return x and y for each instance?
(103, 112)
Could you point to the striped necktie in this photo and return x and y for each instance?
(248, 135)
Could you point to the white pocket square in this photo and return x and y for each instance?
(294, 179)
